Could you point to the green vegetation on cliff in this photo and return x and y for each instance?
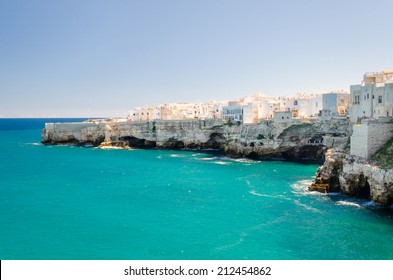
(384, 156)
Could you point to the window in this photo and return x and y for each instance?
(368, 96)
(295, 102)
(282, 117)
(380, 99)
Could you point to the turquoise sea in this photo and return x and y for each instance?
(64, 202)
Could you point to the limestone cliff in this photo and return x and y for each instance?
(354, 176)
(288, 141)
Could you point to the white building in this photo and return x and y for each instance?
(305, 106)
(373, 98)
(282, 116)
(335, 103)
(233, 113)
(248, 110)
(250, 113)
(141, 114)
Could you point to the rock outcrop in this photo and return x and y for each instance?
(354, 176)
(327, 179)
(114, 145)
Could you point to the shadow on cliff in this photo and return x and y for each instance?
(308, 154)
(135, 142)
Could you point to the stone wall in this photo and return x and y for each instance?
(369, 136)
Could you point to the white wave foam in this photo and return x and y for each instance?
(222, 162)
(176, 155)
(253, 192)
(35, 144)
(301, 188)
(206, 158)
(348, 203)
(111, 148)
(308, 207)
(279, 196)
(244, 160)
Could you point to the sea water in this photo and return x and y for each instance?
(67, 202)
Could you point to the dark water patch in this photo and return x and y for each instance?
(28, 124)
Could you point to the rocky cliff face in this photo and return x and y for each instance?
(287, 141)
(354, 176)
(295, 141)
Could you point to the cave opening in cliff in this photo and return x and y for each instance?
(215, 141)
(364, 187)
(138, 142)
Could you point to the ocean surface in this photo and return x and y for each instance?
(65, 202)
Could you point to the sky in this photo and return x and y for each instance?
(80, 58)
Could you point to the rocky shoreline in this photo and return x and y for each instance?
(354, 176)
(321, 141)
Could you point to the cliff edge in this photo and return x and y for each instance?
(297, 140)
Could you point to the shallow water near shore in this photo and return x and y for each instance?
(64, 202)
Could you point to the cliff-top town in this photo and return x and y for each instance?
(346, 129)
(372, 98)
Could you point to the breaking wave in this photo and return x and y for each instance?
(301, 188)
(297, 202)
(222, 162)
(348, 203)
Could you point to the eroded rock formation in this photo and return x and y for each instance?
(354, 176)
(284, 141)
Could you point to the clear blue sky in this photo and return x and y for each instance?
(101, 58)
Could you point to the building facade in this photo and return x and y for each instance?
(283, 116)
(232, 113)
(373, 98)
(335, 103)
